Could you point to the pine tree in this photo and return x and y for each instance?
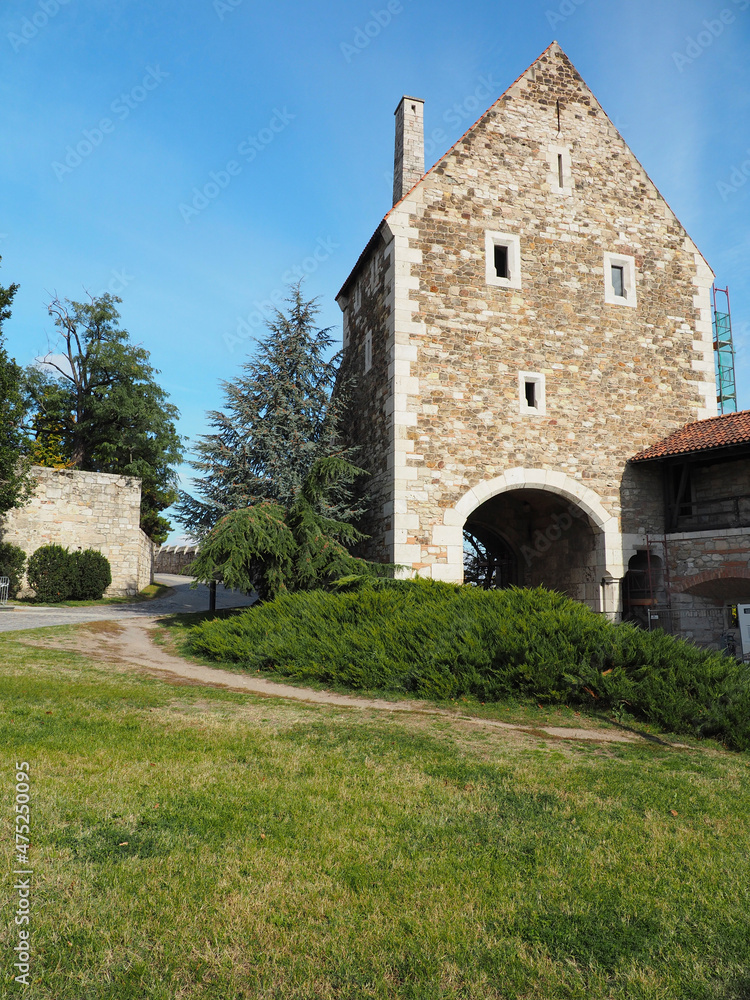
(280, 417)
(273, 550)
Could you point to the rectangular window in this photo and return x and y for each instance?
(531, 393)
(502, 259)
(368, 351)
(618, 281)
(560, 175)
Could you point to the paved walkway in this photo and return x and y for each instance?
(180, 600)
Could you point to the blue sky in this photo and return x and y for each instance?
(118, 113)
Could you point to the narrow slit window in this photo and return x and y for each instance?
(501, 261)
(618, 280)
(560, 175)
(530, 390)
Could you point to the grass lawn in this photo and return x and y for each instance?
(194, 843)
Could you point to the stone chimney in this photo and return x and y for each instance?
(408, 162)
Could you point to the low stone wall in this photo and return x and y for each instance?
(87, 510)
(174, 558)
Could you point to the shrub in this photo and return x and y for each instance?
(440, 641)
(50, 574)
(91, 575)
(12, 561)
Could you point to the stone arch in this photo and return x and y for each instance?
(609, 555)
(700, 583)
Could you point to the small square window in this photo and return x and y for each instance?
(619, 280)
(502, 260)
(531, 393)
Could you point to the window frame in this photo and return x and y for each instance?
(512, 242)
(554, 156)
(627, 263)
(538, 379)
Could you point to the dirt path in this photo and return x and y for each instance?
(130, 642)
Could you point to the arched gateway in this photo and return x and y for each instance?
(558, 530)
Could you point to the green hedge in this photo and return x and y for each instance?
(12, 562)
(440, 641)
(91, 575)
(55, 574)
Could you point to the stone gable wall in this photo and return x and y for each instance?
(87, 510)
(618, 378)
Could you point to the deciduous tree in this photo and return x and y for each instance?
(98, 406)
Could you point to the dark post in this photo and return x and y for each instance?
(212, 596)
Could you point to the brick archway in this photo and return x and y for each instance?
(685, 584)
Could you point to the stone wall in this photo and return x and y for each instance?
(174, 558)
(367, 370)
(618, 377)
(87, 510)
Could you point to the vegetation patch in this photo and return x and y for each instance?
(57, 575)
(436, 640)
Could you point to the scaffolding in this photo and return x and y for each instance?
(726, 389)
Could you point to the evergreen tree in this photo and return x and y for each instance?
(270, 549)
(15, 484)
(280, 417)
(99, 408)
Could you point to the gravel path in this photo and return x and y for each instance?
(180, 600)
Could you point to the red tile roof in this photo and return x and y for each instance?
(703, 435)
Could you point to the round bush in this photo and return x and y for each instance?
(12, 562)
(91, 575)
(50, 574)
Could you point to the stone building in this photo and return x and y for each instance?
(87, 510)
(528, 317)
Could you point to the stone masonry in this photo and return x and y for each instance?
(473, 383)
(87, 510)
